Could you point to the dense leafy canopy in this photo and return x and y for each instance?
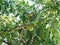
(30, 22)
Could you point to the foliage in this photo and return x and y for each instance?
(22, 23)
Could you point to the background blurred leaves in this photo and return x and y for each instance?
(33, 22)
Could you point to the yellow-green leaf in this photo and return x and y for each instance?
(30, 28)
